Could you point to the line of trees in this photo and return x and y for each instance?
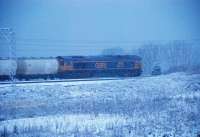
(171, 57)
(174, 56)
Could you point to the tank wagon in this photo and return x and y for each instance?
(33, 68)
(73, 67)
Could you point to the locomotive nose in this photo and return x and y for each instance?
(137, 65)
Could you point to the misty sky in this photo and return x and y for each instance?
(83, 27)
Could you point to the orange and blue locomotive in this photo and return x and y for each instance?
(73, 67)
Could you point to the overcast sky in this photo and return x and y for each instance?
(75, 27)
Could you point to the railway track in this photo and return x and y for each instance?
(58, 81)
(9, 83)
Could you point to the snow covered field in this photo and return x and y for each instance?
(161, 106)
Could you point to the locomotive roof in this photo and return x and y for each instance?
(99, 58)
(88, 58)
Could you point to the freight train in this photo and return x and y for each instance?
(71, 67)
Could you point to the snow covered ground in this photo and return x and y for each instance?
(161, 106)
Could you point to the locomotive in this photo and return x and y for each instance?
(71, 67)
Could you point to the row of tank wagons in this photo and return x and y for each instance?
(29, 66)
(46, 66)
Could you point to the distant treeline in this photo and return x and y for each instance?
(175, 56)
(172, 57)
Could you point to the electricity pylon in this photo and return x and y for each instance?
(7, 38)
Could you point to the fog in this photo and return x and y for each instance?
(77, 27)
